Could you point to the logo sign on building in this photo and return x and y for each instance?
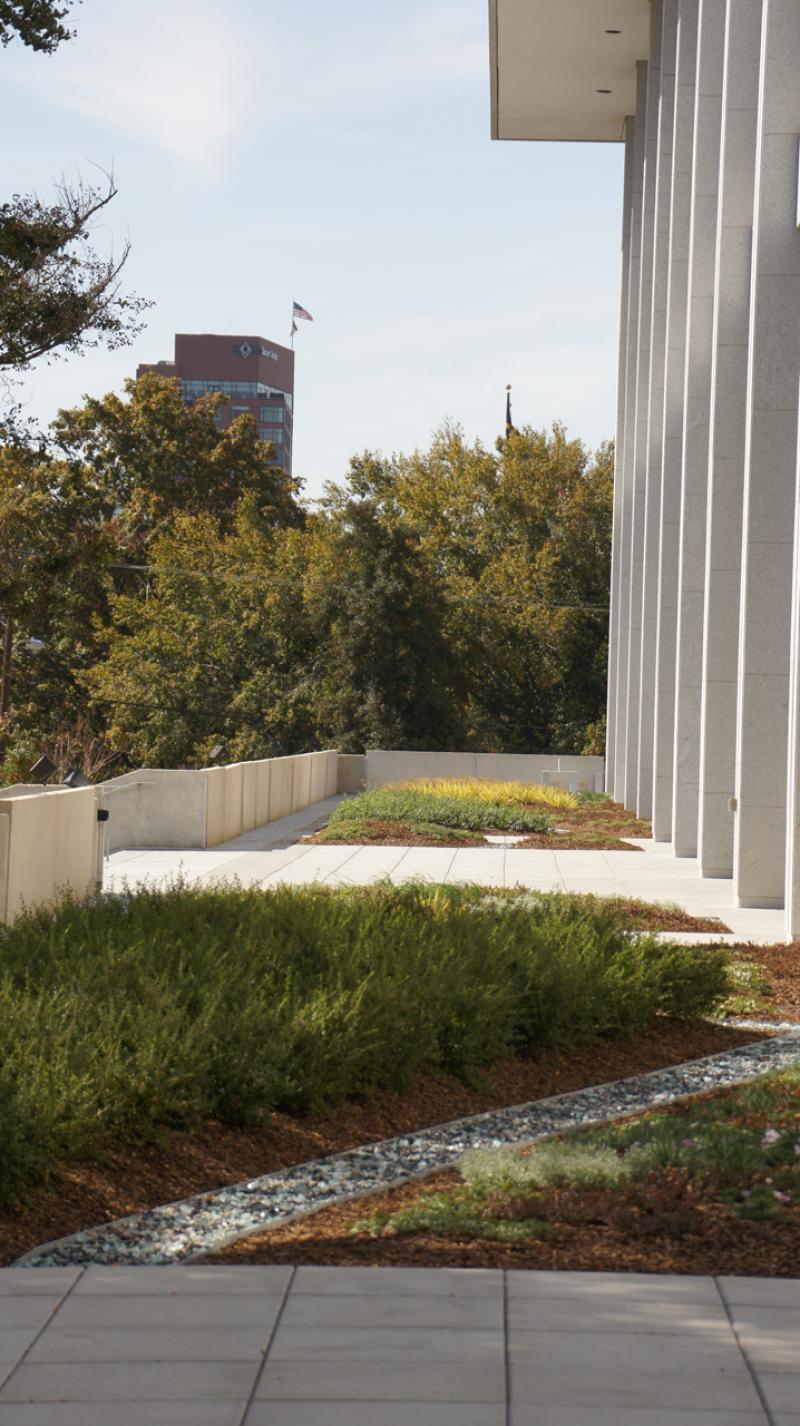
(244, 349)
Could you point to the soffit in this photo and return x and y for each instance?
(549, 59)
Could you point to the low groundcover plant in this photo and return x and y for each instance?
(410, 805)
(644, 1176)
(493, 790)
(174, 1006)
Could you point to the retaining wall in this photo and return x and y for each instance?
(201, 807)
(568, 770)
(49, 843)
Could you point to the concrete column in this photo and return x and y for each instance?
(642, 404)
(655, 420)
(669, 526)
(625, 463)
(697, 425)
(769, 482)
(731, 342)
(792, 866)
(619, 445)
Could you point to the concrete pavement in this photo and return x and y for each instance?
(273, 856)
(276, 1346)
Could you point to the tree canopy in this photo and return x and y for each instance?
(56, 292)
(37, 23)
(453, 598)
(81, 514)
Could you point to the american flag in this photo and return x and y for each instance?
(298, 311)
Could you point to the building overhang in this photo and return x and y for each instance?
(565, 69)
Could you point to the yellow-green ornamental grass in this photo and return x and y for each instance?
(485, 789)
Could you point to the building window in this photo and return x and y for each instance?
(239, 411)
(272, 413)
(271, 433)
(192, 388)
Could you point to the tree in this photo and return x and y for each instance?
(38, 23)
(388, 675)
(55, 291)
(216, 648)
(156, 455)
(79, 521)
(517, 542)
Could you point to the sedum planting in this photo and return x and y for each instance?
(659, 1173)
(409, 805)
(492, 790)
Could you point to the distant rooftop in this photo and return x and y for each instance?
(565, 69)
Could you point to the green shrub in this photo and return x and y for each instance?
(474, 814)
(356, 830)
(553, 1163)
(166, 1007)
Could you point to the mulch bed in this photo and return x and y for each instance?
(721, 1242)
(647, 917)
(593, 826)
(670, 1222)
(563, 839)
(780, 966)
(131, 1178)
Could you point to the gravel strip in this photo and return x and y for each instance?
(205, 1223)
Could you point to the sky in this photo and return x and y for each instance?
(336, 155)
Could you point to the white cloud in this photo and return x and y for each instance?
(175, 76)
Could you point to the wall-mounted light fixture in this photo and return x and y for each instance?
(43, 768)
(76, 778)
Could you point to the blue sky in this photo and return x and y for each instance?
(339, 155)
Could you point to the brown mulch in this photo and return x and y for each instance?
(698, 1236)
(609, 818)
(645, 916)
(564, 839)
(780, 967)
(131, 1178)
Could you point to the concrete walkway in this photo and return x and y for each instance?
(274, 1346)
(273, 856)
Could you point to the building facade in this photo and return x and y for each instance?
(704, 652)
(253, 374)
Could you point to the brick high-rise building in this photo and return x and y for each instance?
(253, 374)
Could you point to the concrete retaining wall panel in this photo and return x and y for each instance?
(156, 807)
(249, 790)
(263, 770)
(51, 847)
(319, 776)
(572, 762)
(331, 773)
(215, 805)
(351, 772)
(280, 788)
(513, 767)
(234, 778)
(384, 767)
(76, 834)
(301, 782)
